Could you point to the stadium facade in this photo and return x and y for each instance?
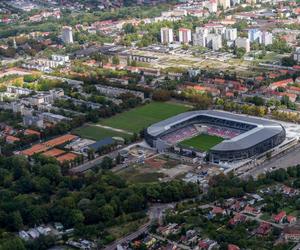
(256, 135)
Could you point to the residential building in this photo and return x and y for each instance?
(225, 4)
(254, 35)
(280, 217)
(35, 121)
(185, 35)
(202, 30)
(54, 118)
(231, 34)
(166, 35)
(291, 233)
(212, 6)
(214, 41)
(67, 35)
(18, 90)
(296, 54)
(266, 38)
(115, 92)
(200, 40)
(242, 42)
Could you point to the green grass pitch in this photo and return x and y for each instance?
(141, 117)
(202, 142)
(97, 133)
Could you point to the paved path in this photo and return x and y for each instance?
(113, 129)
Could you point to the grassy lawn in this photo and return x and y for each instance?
(133, 175)
(97, 133)
(202, 142)
(141, 117)
(265, 216)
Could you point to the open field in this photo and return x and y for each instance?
(136, 175)
(141, 117)
(202, 142)
(97, 133)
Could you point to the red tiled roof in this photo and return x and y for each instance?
(11, 138)
(233, 247)
(217, 210)
(279, 216)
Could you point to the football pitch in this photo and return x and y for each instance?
(141, 117)
(97, 133)
(202, 142)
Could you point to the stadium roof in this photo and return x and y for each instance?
(263, 129)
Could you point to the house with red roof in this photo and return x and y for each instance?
(291, 219)
(218, 210)
(251, 210)
(289, 191)
(233, 247)
(282, 83)
(280, 217)
(264, 229)
(11, 139)
(237, 218)
(293, 90)
(291, 233)
(292, 97)
(219, 81)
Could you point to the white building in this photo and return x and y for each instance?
(235, 2)
(199, 39)
(231, 34)
(241, 42)
(185, 35)
(60, 58)
(225, 4)
(67, 34)
(166, 35)
(211, 5)
(254, 35)
(296, 54)
(202, 30)
(214, 41)
(266, 38)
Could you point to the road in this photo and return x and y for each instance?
(155, 213)
(285, 160)
(90, 164)
(130, 237)
(97, 161)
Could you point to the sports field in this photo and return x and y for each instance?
(97, 133)
(141, 117)
(202, 142)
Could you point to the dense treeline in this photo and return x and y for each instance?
(32, 194)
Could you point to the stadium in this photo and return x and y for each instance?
(223, 136)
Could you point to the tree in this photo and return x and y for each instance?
(12, 243)
(115, 60)
(107, 163)
(240, 52)
(161, 95)
(288, 61)
(15, 221)
(129, 28)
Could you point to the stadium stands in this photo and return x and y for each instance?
(246, 136)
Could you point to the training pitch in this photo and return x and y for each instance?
(141, 117)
